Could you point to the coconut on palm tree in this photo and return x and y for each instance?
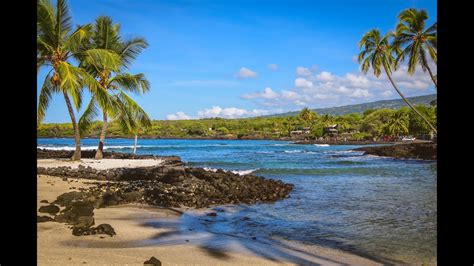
(378, 54)
(417, 43)
(58, 47)
(106, 35)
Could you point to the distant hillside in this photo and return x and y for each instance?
(360, 108)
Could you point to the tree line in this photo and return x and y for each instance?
(372, 123)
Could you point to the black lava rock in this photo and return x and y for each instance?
(51, 209)
(42, 219)
(105, 229)
(152, 262)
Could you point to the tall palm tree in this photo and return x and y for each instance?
(377, 54)
(106, 35)
(57, 47)
(416, 41)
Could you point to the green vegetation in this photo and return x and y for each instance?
(373, 123)
(92, 57)
(417, 42)
(377, 53)
(362, 107)
(106, 35)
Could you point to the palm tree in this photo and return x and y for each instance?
(57, 46)
(307, 116)
(133, 120)
(398, 124)
(289, 124)
(106, 35)
(377, 53)
(417, 42)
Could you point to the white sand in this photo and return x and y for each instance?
(134, 242)
(99, 164)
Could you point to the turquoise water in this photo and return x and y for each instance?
(377, 207)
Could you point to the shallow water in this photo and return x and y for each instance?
(377, 207)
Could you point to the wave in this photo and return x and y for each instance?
(299, 151)
(321, 145)
(71, 148)
(239, 172)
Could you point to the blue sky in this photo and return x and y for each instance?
(246, 58)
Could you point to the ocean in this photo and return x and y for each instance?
(377, 207)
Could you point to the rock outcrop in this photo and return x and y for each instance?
(424, 151)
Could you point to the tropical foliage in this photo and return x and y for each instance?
(58, 46)
(378, 53)
(91, 57)
(373, 123)
(106, 35)
(418, 44)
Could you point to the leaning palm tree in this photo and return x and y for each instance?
(106, 35)
(57, 47)
(417, 42)
(377, 54)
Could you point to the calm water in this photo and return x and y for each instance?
(378, 207)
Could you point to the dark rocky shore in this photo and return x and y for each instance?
(423, 151)
(171, 184)
(341, 142)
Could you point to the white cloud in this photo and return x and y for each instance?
(386, 93)
(303, 71)
(229, 112)
(267, 93)
(325, 89)
(246, 73)
(303, 83)
(325, 76)
(360, 93)
(178, 116)
(273, 67)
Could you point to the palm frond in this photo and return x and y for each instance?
(46, 93)
(63, 20)
(87, 118)
(133, 83)
(101, 59)
(78, 38)
(131, 49)
(46, 21)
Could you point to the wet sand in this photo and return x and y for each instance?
(136, 241)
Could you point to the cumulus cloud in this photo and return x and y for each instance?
(267, 93)
(325, 89)
(303, 71)
(178, 116)
(325, 76)
(245, 73)
(217, 111)
(229, 112)
(273, 67)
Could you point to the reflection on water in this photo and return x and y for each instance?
(380, 207)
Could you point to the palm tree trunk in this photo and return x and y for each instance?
(432, 77)
(135, 145)
(408, 103)
(99, 154)
(77, 136)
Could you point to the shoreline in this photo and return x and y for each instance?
(144, 231)
(292, 141)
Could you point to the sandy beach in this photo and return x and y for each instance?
(136, 240)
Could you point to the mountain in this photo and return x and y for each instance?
(360, 108)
